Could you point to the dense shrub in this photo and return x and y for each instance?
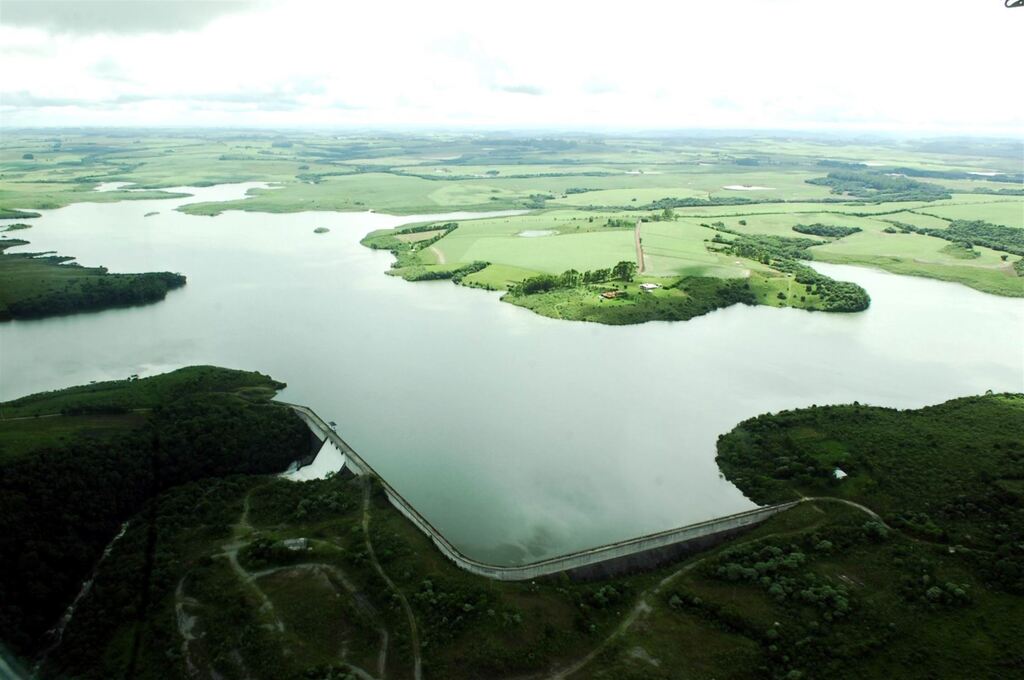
(828, 230)
(879, 186)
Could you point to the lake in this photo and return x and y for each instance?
(518, 436)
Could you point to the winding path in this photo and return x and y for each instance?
(242, 530)
(414, 636)
(863, 508)
(643, 606)
(241, 536)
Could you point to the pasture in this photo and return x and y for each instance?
(1007, 212)
(679, 249)
(553, 254)
(590, 190)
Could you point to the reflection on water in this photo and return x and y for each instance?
(518, 436)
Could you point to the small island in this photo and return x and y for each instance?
(13, 214)
(321, 230)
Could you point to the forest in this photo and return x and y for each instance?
(61, 503)
(207, 580)
(878, 187)
(827, 230)
(623, 271)
(951, 473)
(685, 299)
(980, 233)
(34, 286)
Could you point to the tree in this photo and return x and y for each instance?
(535, 284)
(570, 278)
(624, 270)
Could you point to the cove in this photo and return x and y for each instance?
(518, 436)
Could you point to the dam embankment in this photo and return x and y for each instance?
(642, 552)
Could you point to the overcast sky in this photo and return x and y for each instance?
(903, 65)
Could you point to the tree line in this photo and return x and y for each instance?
(876, 186)
(784, 254)
(977, 232)
(623, 271)
(37, 286)
(99, 292)
(827, 230)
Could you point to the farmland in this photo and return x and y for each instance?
(579, 199)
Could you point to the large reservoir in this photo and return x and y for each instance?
(518, 436)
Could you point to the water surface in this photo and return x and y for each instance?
(518, 436)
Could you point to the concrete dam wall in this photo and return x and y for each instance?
(606, 560)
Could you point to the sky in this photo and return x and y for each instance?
(918, 66)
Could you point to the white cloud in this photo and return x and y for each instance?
(117, 16)
(918, 65)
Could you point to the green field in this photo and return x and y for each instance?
(44, 195)
(551, 254)
(572, 185)
(1009, 213)
(679, 249)
(919, 255)
(498, 277)
(504, 252)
